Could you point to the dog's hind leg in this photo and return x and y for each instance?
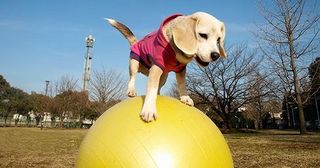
(181, 82)
(163, 80)
(133, 69)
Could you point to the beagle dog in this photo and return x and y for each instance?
(179, 40)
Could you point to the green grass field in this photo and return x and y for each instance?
(32, 147)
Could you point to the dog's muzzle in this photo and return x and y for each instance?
(215, 56)
(202, 63)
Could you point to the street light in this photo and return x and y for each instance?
(90, 40)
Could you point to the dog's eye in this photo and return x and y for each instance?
(203, 35)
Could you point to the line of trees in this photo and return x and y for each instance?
(12, 99)
(64, 100)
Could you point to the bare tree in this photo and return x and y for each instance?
(223, 86)
(260, 106)
(291, 34)
(254, 109)
(70, 104)
(107, 87)
(65, 83)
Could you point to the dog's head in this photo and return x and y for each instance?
(200, 36)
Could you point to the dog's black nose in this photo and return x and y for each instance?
(214, 56)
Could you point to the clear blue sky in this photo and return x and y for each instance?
(44, 40)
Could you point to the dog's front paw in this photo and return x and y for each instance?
(148, 114)
(132, 93)
(186, 100)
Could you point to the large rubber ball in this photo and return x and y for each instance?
(182, 136)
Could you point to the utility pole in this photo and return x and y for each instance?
(87, 62)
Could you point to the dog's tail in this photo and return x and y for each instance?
(124, 30)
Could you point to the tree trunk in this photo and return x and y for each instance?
(256, 124)
(303, 129)
(259, 124)
(61, 122)
(16, 121)
(80, 120)
(53, 122)
(228, 124)
(5, 121)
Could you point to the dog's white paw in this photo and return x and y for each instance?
(186, 100)
(148, 114)
(132, 93)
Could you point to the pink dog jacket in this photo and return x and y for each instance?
(154, 49)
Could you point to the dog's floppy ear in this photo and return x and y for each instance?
(221, 45)
(184, 36)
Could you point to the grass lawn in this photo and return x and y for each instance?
(32, 147)
(272, 148)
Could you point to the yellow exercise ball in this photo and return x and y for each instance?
(182, 136)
